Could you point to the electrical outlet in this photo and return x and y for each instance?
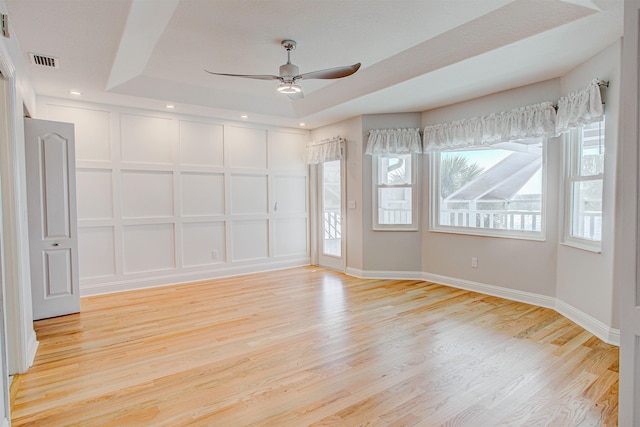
(214, 255)
(474, 262)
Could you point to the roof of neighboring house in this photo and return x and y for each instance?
(503, 180)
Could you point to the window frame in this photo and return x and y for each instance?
(375, 168)
(434, 206)
(571, 174)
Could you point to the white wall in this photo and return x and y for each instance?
(577, 283)
(372, 253)
(585, 279)
(165, 198)
(397, 251)
(520, 265)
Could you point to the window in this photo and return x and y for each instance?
(493, 191)
(584, 174)
(394, 192)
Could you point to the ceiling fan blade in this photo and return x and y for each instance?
(248, 76)
(331, 73)
(294, 96)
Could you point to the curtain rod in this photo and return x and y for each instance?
(323, 141)
(600, 83)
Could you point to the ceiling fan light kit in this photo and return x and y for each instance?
(289, 88)
(290, 74)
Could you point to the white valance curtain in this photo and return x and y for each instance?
(533, 121)
(325, 150)
(580, 108)
(394, 141)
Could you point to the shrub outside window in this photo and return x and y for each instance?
(584, 181)
(492, 191)
(394, 192)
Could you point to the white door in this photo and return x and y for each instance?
(331, 224)
(51, 200)
(627, 271)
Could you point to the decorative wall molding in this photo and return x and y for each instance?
(589, 323)
(167, 198)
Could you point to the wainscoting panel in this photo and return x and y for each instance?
(249, 240)
(201, 144)
(148, 247)
(288, 236)
(286, 152)
(202, 194)
(146, 139)
(248, 194)
(91, 127)
(203, 243)
(247, 148)
(168, 198)
(94, 189)
(289, 194)
(147, 194)
(96, 252)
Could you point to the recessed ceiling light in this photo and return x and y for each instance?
(302, 124)
(244, 116)
(75, 92)
(169, 106)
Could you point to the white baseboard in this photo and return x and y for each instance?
(589, 323)
(32, 349)
(88, 289)
(496, 291)
(596, 327)
(355, 272)
(378, 274)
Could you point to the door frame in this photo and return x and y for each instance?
(626, 255)
(20, 335)
(329, 261)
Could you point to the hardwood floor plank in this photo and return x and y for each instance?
(309, 346)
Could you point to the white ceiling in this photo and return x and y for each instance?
(415, 54)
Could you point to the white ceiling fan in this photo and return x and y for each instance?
(290, 74)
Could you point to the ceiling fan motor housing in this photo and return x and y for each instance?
(289, 71)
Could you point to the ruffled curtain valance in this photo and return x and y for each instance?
(580, 108)
(325, 150)
(394, 141)
(533, 121)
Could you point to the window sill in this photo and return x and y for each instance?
(532, 236)
(394, 228)
(596, 249)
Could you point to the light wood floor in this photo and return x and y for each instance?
(308, 346)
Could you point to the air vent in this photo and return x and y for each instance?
(43, 61)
